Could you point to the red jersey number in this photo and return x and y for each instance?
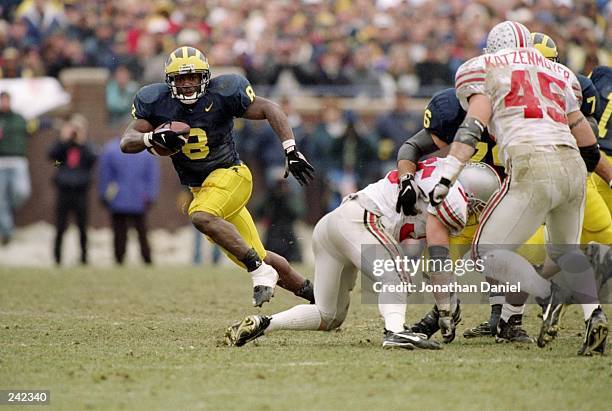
(521, 95)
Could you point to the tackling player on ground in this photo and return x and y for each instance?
(207, 161)
(370, 217)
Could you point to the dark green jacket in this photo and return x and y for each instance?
(13, 134)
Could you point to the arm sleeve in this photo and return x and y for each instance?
(470, 80)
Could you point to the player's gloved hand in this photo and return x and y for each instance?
(439, 192)
(166, 138)
(407, 196)
(296, 164)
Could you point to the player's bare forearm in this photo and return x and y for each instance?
(604, 169)
(406, 167)
(262, 108)
(581, 130)
(132, 139)
(461, 151)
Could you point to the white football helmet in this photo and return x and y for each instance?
(480, 181)
(507, 34)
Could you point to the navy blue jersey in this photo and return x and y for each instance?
(211, 118)
(444, 115)
(590, 96)
(602, 79)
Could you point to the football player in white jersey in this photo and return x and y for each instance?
(370, 217)
(532, 106)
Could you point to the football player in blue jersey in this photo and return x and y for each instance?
(206, 159)
(602, 80)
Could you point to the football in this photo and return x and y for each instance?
(176, 126)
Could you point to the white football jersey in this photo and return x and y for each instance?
(453, 211)
(530, 96)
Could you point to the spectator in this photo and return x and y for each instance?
(353, 157)
(74, 158)
(15, 186)
(280, 210)
(394, 128)
(120, 91)
(42, 18)
(128, 186)
(364, 78)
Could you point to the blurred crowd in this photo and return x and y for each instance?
(343, 47)
(396, 49)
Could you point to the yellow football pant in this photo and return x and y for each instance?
(225, 193)
(604, 191)
(597, 225)
(461, 244)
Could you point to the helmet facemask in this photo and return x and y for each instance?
(179, 91)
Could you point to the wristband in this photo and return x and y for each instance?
(451, 168)
(146, 139)
(287, 144)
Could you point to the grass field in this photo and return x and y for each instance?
(137, 338)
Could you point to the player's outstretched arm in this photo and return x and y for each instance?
(463, 146)
(132, 140)
(295, 162)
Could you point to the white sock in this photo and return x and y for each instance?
(394, 316)
(588, 310)
(265, 274)
(508, 310)
(300, 317)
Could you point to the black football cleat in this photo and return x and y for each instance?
(553, 310)
(250, 328)
(428, 325)
(485, 328)
(512, 331)
(481, 330)
(551, 320)
(408, 340)
(596, 334)
(306, 291)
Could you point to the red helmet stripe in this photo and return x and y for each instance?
(519, 33)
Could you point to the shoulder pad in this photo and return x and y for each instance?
(602, 79)
(153, 92)
(584, 81)
(227, 84)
